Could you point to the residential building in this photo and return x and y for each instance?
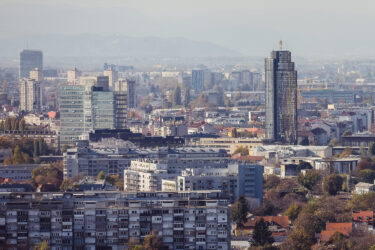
(17, 172)
(235, 180)
(30, 95)
(281, 97)
(29, 60)
(73, 75)
(112, 76)
(103, 220)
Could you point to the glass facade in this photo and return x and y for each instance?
(281, 98)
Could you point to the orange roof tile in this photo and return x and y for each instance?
(363, 216)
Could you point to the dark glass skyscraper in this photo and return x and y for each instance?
(281, 97)
(29, 60)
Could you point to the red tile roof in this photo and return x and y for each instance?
(363, 216)
(331, 228)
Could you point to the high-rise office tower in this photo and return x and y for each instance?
(197, 80)
(103, 82)
(112, 76)
(281, 97)
(131, 93)
(29, 60)
(30, 95)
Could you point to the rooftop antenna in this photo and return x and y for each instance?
(281, 44)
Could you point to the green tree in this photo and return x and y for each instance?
(347, 133)
(371, 149)
(177, 96)
(332, 184)
(261, 235)
(47, 174)
(367, 175)
(7, 125)
(154, 242)
(309, 179)
(22, 125)
(14, 123)
(101, 175)
(303, 165)
(36, 149)
(239, 210)
(293, 211)
(187, 97)
(42, 246)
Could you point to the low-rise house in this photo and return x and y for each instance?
(363, 220)
(344, 228)
(279, 226)
(363, 187)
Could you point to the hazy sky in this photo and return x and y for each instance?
(309, 28)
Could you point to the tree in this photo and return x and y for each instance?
(293, 211)
(7, 125)
(47, 174)
(271, 181)
(303, 165)
(340, 241)
(367, 175)
(242, 150)
(153, 242)
(347, 151)
(371, 149)
(101, 175)
(309, 179)
(239, 210)
(36, 148)
(347, 133)
(22, 125)
(17, 156)
(14, 123)
(177, 96)
(187, 97)
(261, 235)
(333, 142)
(67, 185)
(42, 246)
(2, 126)
(332, 184)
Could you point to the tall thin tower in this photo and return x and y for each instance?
(281, 97)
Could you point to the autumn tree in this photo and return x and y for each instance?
(293, 211)
(42, 246)
(239, 210)
(347, 133)
(101, 175)
(47, 174)
(7, 125)
(14, 123)
(67, 185)
(244, 151)
(154, 242)
(22, 125)
(261, 235)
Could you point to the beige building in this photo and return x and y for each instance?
(112, 75)
(30, 95)
(73, 75)
(231, 144)
(37, 75)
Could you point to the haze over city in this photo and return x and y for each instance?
(313, 29)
